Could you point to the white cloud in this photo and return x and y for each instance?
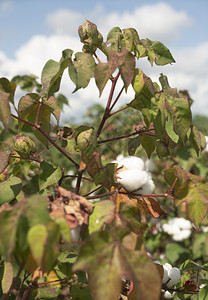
(158, 22)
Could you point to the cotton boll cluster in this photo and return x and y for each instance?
(179, 228)
(206, 147)
(171, 275)
(132, 176)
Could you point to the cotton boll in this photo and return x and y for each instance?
(132, 180)
(165, 276)
(131, 162)
(182, 235)
(75, 234)
(171, 229)
(167, 267)
(174, 274)
(183, 223)
(157, 262)
(168, 295)
(147, 188)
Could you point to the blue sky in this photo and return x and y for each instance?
(31, 32)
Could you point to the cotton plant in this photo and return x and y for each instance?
(132, 175)
(179, 228)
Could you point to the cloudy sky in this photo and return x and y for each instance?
(32, 32)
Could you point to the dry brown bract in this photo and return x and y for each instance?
(74, 208)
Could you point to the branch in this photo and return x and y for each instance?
(79, 179)
(124, 136)
(107, 109)
(121, 91)
(47, 137)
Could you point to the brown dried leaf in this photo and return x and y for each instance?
(151, 206)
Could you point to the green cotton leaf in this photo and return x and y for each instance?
(27, 82)
(103, 212)
(127, 68)
(133, 144)
(7, 277)
(43, 242)
(50, 175)
(113, 35)
(9, 189)
(7, 90)
(169, 129)
(64, 229)
(192, 190)
(130, 39)
(115, 261)
(52, 74)
(26, 106)
(4, 156)
(61, 100)
(180, 112)
(107, 273)
(166, 87)
(200, 245)
(174, 251)
(144, 90)
(9, 221)
(52, 105)
(103, 72)
(197, 139)
(155, 51)
(37, 210)
(105, 176)
(80, 293)
(81, 70)
(148, 143)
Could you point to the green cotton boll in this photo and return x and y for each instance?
(24, 145)
(83, 139)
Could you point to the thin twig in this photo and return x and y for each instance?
(95, 190)
(36, 155)
(38, 112)
(115, 112)
(116, 100)
(79, 179)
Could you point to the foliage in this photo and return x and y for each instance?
(69, 228)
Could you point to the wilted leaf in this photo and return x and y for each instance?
(151, 206)
(103, 212)
(50, 175)
(4, 156)
(9, 189)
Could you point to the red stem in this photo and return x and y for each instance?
(38, 112)
(107, 109)
(121, 91)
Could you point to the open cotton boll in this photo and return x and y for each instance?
(167, 267)
(182, 235)
(147, 188)
(168, 295)
(183, 223)
(165, 276)
(131, 162)
(174, 274)
(171, 229)
(132, 180)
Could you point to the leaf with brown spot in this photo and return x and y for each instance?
(151, 206)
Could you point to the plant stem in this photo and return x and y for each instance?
(115, 112)
(38, 112)
(36, 155)
(47, 137)
(26, 158)
(114, 103)
(79, 179)
(124, 136)
(107, 109)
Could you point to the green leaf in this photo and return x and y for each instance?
(9, 189)
(64, 228)
(203, 294)
(148, 143)
(61, 100)
(200, 245)
(7, 277)
(174, 251)
(9, 221)
(52, 74)
(37, 210)
(27, 82)
(50, 175)
(102, 212)
(105, 176)
(4, 156)
(90, 36)
(53, 106)
(81, 70)
(80, 293)
(7, 90)
(133, 144)
(144, 91)
(191, 189)
(103, 72)
(43, 242)
(197, 139)
(116, 261)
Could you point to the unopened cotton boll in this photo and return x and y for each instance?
(174, 274)
(132, 180)
(131, 162)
